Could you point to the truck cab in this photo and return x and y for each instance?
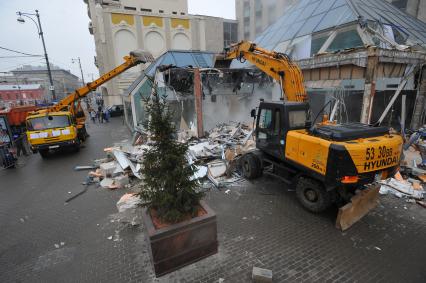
(51, 131)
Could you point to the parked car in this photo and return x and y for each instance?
(116, 110)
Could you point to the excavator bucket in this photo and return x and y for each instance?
(360, 205)
(221, 62)
(143, 56)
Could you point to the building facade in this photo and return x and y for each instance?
(120, 27)
(63, 80)
(254, 16)
(358, 52)
(11, 95)
(416, 8)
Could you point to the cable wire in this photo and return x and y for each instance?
(19, 52)
(19, 56)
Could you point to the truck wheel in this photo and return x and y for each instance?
(312, 195)
(251, 167)
(76, 147)
(44, 153)
(83, 135)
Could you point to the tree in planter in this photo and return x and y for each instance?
(168, 185)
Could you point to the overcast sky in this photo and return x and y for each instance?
(65, 27)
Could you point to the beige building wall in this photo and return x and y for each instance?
(118, 30)
(254, 16)
(416, 8)
(177, 7)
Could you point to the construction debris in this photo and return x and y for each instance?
(220, 151)
(410, 188)
(82, 168)
(261, 275)
(108, 183)
(410, 182)
(107, 169)
(214, 157)
(217, 168)
(128, 201)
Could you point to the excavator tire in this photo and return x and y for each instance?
(312, 195)
(251, 167)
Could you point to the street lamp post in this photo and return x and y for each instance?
(40, 33)
(81, 69)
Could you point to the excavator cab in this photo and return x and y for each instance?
(274, 120)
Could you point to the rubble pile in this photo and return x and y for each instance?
(215, 158)
(122, 164)
(219, 152)
(410, 182)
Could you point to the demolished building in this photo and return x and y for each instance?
(224, 95)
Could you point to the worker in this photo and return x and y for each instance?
(106, 115)
(93, 116)
(100, 114)
(20, 144)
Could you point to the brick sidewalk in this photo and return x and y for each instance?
(259, 224)
(263, 225)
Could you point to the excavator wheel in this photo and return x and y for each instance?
(251, 166)
(312, 195)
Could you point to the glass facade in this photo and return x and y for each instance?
(142, 87)
(313, 17)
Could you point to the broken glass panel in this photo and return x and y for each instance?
(344, 40)
(400, 37)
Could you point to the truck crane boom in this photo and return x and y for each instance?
(63, 124)
(135, 58)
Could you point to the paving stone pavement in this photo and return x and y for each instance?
(260, 224)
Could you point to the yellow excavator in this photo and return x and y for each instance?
(326, 162)
(63, 125)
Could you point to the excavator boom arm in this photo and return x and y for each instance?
(276, 65)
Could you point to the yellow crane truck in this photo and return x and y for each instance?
(328, 162)
(63, 125)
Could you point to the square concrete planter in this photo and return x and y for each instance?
(183, 243)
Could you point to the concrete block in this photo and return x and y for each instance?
(117, 172)
(261, 275)
(107, 183)
(107, 169)
(121, 181)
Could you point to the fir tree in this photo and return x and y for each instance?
(168, 185)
